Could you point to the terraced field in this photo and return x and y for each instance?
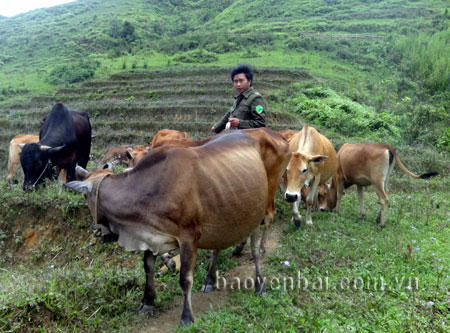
(129, 108)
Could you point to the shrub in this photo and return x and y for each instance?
(80, 71)
(326, 108)
(196, 56)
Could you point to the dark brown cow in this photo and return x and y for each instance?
(314, 161)
(64, 141)
(14, 152)
(208, 197)
(364, 164)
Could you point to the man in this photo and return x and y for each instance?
(249, 108)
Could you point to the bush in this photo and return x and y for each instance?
(196, 56)
(326, 108)
(83, 70)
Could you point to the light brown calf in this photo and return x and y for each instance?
(14, 152)
(364, 164)
(314, 161)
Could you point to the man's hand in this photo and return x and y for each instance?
(213, 129)
(234, 122)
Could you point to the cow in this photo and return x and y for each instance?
(14, 153)
(288, 134)
(64, 141)
(116, 155)
(207, 197)
(364, 164)
(322, 196)
(135, 154)
(168, 134)
(314, 161)
(275, 154)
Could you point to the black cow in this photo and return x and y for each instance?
(64, 141)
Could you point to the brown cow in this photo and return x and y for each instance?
(275, 154)
(364, 164)
(322, 196)
(288, 134)
(116, 155)
(135, 154)
(168, 134)
(314, 161)
(208, 197)
(14, 152)
(163, 136)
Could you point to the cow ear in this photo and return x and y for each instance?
(108, 166)
(129, 155)
(318, 158)
(80, 187)
(81, 172)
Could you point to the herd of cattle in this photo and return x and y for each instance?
(185, 194)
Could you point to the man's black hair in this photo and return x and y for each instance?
(245, 69)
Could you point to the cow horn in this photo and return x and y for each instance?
(81, 172)
(21, 145)
(45, 148)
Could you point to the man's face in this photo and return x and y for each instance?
(240, 82)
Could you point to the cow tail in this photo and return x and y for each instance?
(11, 147)
(402, 166)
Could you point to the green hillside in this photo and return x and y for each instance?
(388, 55)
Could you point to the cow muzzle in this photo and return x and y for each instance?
(291, 197)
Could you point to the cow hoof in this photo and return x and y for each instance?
(260, 290)
(143, 308)
(298, 222)
(207, 288)
(186, 321)
(237, 251)
(171, 265)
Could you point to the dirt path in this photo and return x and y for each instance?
(203, 303)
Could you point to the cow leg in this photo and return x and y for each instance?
(362, 211)
(339, 194)
(12, 168)
(238, 249)
(310, 200)
(148, 302)
(296, 217)
(188, 252)
(71, 172)
(208, 285)
(260, 287)
(268, 219)
(381, 219)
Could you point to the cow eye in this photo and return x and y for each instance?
(304, 170)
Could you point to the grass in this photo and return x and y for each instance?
(360, 278)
